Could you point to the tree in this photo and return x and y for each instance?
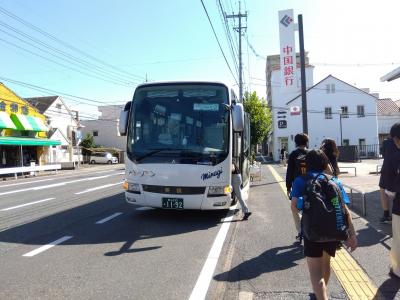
(87, 143)
(260, 117)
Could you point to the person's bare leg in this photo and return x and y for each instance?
(326, 267)
(384, 200)
(316, 276)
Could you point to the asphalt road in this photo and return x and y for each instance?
(107, 249)
(72, 236)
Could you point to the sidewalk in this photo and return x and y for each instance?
(369, 184)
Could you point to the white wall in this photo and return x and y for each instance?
(279, 100)
(353, 127)
(60, 118)
(108, 135)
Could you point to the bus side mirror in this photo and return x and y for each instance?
(238, 117)
(123, 119)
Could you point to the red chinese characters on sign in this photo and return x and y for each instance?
(288, 68)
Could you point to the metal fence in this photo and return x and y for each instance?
(354, 153)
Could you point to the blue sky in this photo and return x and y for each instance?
(353, 40)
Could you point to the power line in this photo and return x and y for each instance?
(107, 78)
(75, 60)
(58, 63)
(32, 86)
(65, 44)
(219, 44)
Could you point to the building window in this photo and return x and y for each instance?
(25, 110)
(360, 111)
(58, 106)
(328, 112)
(344, 111)
(95, 133)
(330, 88)
(14, 107)
(2, 106)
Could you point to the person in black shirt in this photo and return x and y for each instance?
(331, 151)
(394, 172)
(295, 168)
(389, 149)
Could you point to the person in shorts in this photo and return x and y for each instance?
(318, 254)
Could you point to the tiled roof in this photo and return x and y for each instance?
(387, 106)
(41, 103)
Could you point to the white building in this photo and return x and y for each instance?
(105, 129)
(388, 114)
(63, 124)
(336, 110)
(277, 97)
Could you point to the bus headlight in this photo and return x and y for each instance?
(132, 187)
(215, 191)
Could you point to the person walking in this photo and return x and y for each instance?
(318, 254)
(394, 270)
(331, 151)
(389, 151)
(296, 167)
(283, 156)
(237, 189)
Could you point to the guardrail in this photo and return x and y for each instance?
(355, 170)
(363, 197)
(255, 171)
(34, 169)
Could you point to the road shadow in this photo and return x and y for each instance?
(373, 210)
(388, 289)
(133, 225)
(369, 236)
(275, 259)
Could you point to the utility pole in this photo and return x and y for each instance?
(303, 75)
(239, 30)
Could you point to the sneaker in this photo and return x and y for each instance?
(393, 275)
(246, 215)
(299, 239)
(385, 220)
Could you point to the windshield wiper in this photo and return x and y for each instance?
(155, 151)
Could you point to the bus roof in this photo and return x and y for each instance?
(158, 83)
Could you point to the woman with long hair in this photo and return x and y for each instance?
(332, 152)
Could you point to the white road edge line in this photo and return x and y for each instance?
(48, 246)
(203, 281)
(109, 218)
(26, 204)
(99, 188)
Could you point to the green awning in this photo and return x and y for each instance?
(30, 123)
(16, 141)
(5, 121)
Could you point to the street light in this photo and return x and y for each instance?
(340, 118)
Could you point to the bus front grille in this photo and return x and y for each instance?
(176, 190)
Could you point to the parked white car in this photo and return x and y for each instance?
(103, 158)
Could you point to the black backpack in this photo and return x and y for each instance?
(323, 217)
(300, 163)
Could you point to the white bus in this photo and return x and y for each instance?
(182, 138)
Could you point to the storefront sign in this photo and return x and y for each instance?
(282, 124)
(287, 51)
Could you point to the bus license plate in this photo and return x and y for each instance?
(172, 203)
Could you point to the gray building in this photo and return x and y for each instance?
(105, 129)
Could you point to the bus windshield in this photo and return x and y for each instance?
(179, 123)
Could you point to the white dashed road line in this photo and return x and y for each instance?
(58, 184)
(98, 188)
(109, 218)
(26, 204)
(200, 290)
(48, 246)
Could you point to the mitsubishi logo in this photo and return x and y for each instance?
(286, 20)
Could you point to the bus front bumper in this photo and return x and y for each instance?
(197, 202)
